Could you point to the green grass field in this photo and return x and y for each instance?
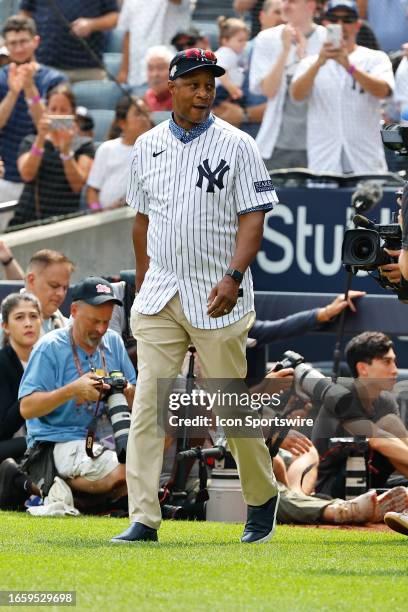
(202, 566)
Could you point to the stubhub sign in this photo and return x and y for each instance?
(301, 249)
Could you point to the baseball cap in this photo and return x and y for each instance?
(350, 5)
(94, 290)
(183, 37)
(192, 59)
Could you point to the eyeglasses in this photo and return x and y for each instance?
(341, 18)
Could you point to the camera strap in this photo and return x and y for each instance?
(90, 434)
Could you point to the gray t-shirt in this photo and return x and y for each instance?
(292, 133)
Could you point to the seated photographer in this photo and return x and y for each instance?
(294, 455)
(373, 413)
(300, 508)
(21, 316)
(63, 381)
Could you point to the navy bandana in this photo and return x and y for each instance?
(186, 137)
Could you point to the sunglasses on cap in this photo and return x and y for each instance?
(341, 18)
(199, 54)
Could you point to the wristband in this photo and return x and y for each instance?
(67, 157)
(37, 151)
(34, 100)
(8, 261)
(351, 69)
(95, 205)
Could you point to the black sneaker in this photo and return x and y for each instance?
(261, 522)
(137, 532)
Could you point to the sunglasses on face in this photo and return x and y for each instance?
(341, 18)
(185, 43)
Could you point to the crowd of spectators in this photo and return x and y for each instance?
(308, 103)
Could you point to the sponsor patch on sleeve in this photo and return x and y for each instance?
(261, 186)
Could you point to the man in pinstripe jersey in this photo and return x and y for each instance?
(200, 190)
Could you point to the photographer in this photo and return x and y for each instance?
(62, 382)
(372, 412)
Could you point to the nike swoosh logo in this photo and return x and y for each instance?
(159, 153)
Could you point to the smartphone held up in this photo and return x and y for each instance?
(334, 36)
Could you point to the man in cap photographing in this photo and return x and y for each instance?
(62, 383)
(344, 85)
(200, 190)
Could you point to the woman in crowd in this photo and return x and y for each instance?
(54, 163)
(108, 177)
(21, 314)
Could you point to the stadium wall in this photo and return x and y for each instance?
(99, 244)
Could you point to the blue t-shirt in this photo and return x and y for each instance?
(51, 366)
(20, 123)
(58, 46)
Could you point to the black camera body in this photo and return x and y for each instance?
(116, 380)
(290, 360)
(395, 138)
(363, 248)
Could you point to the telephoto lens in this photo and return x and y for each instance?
(118, 412)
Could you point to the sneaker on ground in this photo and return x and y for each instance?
(261, 522)
(394, 500)
(397, 521)
(361, 509)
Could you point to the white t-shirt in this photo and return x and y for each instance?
(343, 120)
(150, 23)
(233, 64)
(109, 171)
(267, 48)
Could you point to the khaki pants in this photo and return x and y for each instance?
(300, 508)
(162, 341)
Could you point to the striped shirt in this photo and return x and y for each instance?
(193, 186)
(343, 120)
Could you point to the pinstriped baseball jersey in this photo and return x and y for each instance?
(193, 186)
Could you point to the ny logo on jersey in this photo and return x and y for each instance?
(214, 177)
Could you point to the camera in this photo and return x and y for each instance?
(118, 411)
(290, 360)
(395, 138)
(364, 249)
(309, 383)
